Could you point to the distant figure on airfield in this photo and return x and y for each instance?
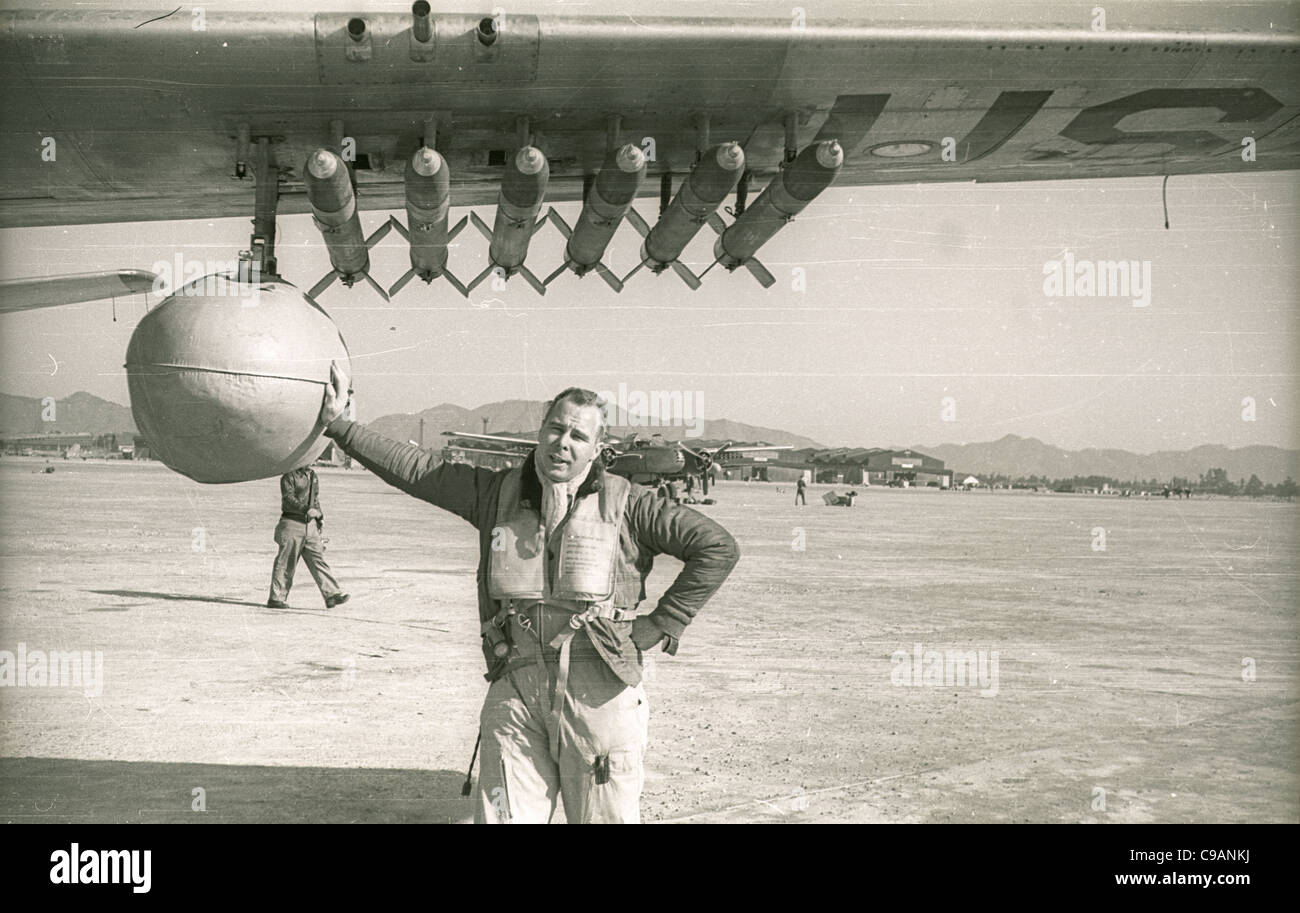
(690, 488)
(800, 493)
(299, 535)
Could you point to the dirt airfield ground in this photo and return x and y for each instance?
(1152, 680)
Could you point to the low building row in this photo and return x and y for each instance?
(842, 466)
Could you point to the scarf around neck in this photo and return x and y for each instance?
(557, 497)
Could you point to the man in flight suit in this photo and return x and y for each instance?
(299, 535)
(564, 549)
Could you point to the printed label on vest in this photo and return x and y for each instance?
(587, 550)
(515, 568)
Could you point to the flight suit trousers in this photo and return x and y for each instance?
(601, 735)
(300, 540)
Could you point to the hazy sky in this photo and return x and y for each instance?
(914, 295)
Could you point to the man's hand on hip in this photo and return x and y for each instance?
(645, 633)
(336, 395)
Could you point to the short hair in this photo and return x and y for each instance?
(579, 397)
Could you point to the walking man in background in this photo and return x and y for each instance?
(800, 492)
(299, 535)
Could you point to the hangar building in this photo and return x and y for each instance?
(879, 466)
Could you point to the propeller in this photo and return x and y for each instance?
(705, 460)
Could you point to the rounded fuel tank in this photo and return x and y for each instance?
(226, 378)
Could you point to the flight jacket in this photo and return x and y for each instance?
(299, 493)
(651, 526)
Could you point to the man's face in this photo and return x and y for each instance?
(568, 441)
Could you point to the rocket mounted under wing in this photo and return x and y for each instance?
(119, 115)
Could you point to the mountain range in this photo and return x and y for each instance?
(78, 413)
(1010, 455)
(1025, 456)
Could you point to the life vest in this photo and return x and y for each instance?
(587, 552)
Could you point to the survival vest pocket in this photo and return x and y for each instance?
(587, 560)
(517, 568)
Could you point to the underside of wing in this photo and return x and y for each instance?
(110, 117)
(29, 294)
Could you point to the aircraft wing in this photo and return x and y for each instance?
(43, 292)
(119, 115)
(497, 453)
(757, 449)
(499, 438)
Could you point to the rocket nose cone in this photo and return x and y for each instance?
(830, 154)
(529, 160)
(426, 162)
(322, 164)
(630, 159)
(731, 157)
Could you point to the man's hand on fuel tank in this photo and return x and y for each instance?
(645, 633)
(336, 395)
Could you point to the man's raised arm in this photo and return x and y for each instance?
(451, 486)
